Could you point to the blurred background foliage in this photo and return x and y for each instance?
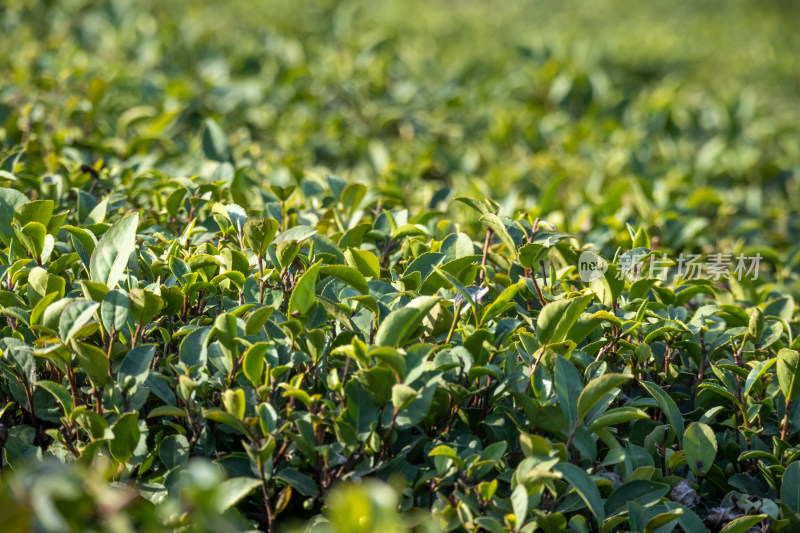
(679, 116)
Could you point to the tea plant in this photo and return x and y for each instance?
(258, 281)
(352, 340)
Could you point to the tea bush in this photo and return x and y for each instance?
(257, 279)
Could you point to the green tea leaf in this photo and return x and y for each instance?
(110, 256)
(298, 481)
(234, 402)
(60, 393)
(496, 224)
(396, 328)
(365, 262)
(135, 368)
(232, 490)
(743, 524)
(193, 351)
(10, 199)
(580, 481)
(788, 370)
(258, 234)
(790, 487)
(349, 275)
(93, 361)
(668, 406)
(568, 387)
(74, 317)
(126, 437)
(115, 311)
(556, 318)
(700, 447)
(215, 143)
(596, 389)
(303, 294)
(254, 361)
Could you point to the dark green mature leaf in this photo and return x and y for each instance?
(782, 308)
(568, 388)
(689, 520)
(790, 487)
(60, 393)
(349, 275)
(21, 454)
(135, 367)
(378, 382)
(425, 264)
(530, 253)
(396, 328)
(93, 361)
(268, 418)
(144, 305)
(456, 246)
(226, 329)
(788, 370)
(596, 389)
(10, 199)
(722, 391)
(115, 311)
(580, 481)
(215, 143)
(365, 262)
(668, 406)
(174, 451)
(232, 490)
(126, 437)
(336, 311)
(296, 233)
(110, 256)
(460, 289)
(757, 373)
(641, 491)
(298, 481)
(193, 351)
(20, 355)
(700, 447)
(74, 317)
